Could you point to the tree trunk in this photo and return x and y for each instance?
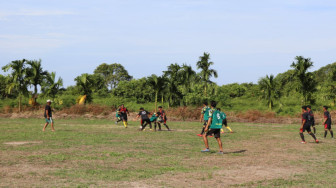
(156, 98)
(19, 102)
(35, 94)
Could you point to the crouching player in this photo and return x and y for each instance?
(213, 127)
(305, 126)
(327, 122)
(144, 119)
(224, 121)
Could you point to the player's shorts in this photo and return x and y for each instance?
(50, 120)
(124, 117)
(327, 126)
(143, 121)
(306, 128)
(215, 132)
(224, 122)
(205, 122)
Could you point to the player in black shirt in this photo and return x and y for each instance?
(48, 116)
(162, 118)
(327, 122)
(144, 119)
(311, 118)
(305, 126)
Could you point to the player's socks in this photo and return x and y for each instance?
(314, 130)
(332, 134)
(229, 129)
(302, 137)
(125, 124)
(166, 126)
(325, 134)
(312, 134)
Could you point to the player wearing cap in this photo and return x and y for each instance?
(213, 127)
(48, 116)
(305, 126)
(123, 111)
(144, 119)
(327, 122)
(204, 117)
(311, 118)
(162, 118)
(224, 121)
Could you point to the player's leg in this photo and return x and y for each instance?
(150, 124)
(311, 134)
(206, 143)
(314, 129)
(332, 133)
(52, 124)
(302, 136)
(165, 124)
(219, 141)
(46, 124)
(159, 125)
(125, 121)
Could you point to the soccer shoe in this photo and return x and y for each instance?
(205, 150)
(303, 142)
(200, 135)
(116, 123)
(316, 141)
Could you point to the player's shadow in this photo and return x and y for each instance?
(235, 152)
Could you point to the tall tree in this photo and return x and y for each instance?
(188, 76)
(268, 85)
(204, 64)
(307, 83)
(158, 83)
(36, 75)
(173, 77)
(113, 74)
(50, 86)
(18, 78)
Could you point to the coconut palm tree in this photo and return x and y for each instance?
(268, 85)
(206, 73)
(18, 78)
(36, 75)
(158, 83)
(50, 87)
(173, 77)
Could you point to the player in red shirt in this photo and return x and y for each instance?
(123, 114)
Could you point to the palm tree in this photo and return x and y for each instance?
(173, 80)
(158, 83)
(18, 78)
(50, 87)
(36, 75)
(307, 83)
(188, 76)
(268, 85)
(85, 85)
(204, 64)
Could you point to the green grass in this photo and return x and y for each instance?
(98, 153)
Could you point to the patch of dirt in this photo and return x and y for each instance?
(22, 143)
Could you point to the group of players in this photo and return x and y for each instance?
(157, 118)
(308, 121)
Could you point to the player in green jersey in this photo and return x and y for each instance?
(224, 121)
(214, 126)
(204, 116)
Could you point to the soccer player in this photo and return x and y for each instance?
(162, 118)
(224, 121)
(305, 126)
(327, 122)
(123, 114)
(144, 119)
(215, 123)
(204, 117)
(48, 116)
(118, 116)
(153, 120)
(311, 118)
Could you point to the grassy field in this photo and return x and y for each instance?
(97, 153)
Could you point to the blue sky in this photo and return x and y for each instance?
(246, 39)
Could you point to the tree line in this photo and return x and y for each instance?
(179, 85)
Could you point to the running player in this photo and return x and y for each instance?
(204, 117)
(123, 114)
(224, 121)
(162, 118)
(118, 116)
(144, 119)
(48, 116)
(305, 126)
(215, 124)
(311, 118)
(327, 122)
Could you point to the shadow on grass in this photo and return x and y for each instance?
(235, 152)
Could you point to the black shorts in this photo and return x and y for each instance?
(224, 122)
(215, 132)
(143, 121)
(327, 126)
(306, 128)
(205, 122)
(123, 117)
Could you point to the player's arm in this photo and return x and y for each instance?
(127, 111)
(202, 116)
